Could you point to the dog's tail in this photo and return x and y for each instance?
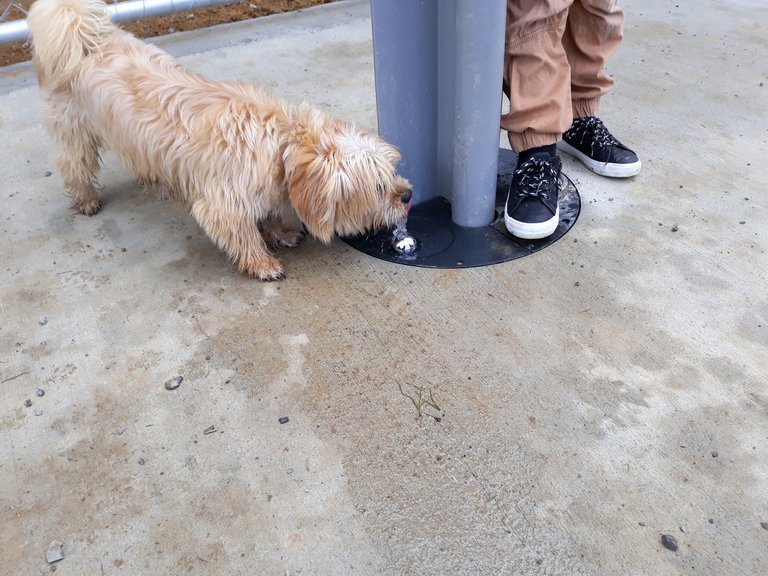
(63, 33)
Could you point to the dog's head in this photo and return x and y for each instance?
(344, 181)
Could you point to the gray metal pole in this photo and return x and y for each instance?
(478, 69)
(446, 75)
(405, 59)
(439, 66)
(17, 31)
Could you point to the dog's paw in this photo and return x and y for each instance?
(279, 236)
(265, 270)
(276, 276)
(88, 207)
(289, 238)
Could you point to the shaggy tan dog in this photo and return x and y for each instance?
(238, 156)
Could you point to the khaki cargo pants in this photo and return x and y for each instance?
(554, 59)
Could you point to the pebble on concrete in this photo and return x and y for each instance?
(27, 402)
(669, 542)
(283, 420)
(40, 392)
(55, 552)
(174, 383)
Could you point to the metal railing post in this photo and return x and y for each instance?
(17, 31)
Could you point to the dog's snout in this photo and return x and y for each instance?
(406, 197)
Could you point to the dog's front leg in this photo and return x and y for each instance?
(234, 230)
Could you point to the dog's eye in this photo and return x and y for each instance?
(406, 197)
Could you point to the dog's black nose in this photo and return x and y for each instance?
(405, 198)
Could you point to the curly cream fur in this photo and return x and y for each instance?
(237, 155)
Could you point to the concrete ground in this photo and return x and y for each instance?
(552, 415)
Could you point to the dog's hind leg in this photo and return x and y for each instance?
(79, 156)
(235, 231)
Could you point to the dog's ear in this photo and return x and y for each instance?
(336, 182)
(310, 189)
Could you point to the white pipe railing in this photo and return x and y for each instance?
(17, 31)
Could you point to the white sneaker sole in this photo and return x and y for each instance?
(602, 168)
(532, 230)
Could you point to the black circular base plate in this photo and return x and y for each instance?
(442, 244)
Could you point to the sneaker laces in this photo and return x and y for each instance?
(592, 130)
(534, 176)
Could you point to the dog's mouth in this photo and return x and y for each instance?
(402, 221)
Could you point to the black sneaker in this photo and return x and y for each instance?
(532, 211)
(589, 141)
